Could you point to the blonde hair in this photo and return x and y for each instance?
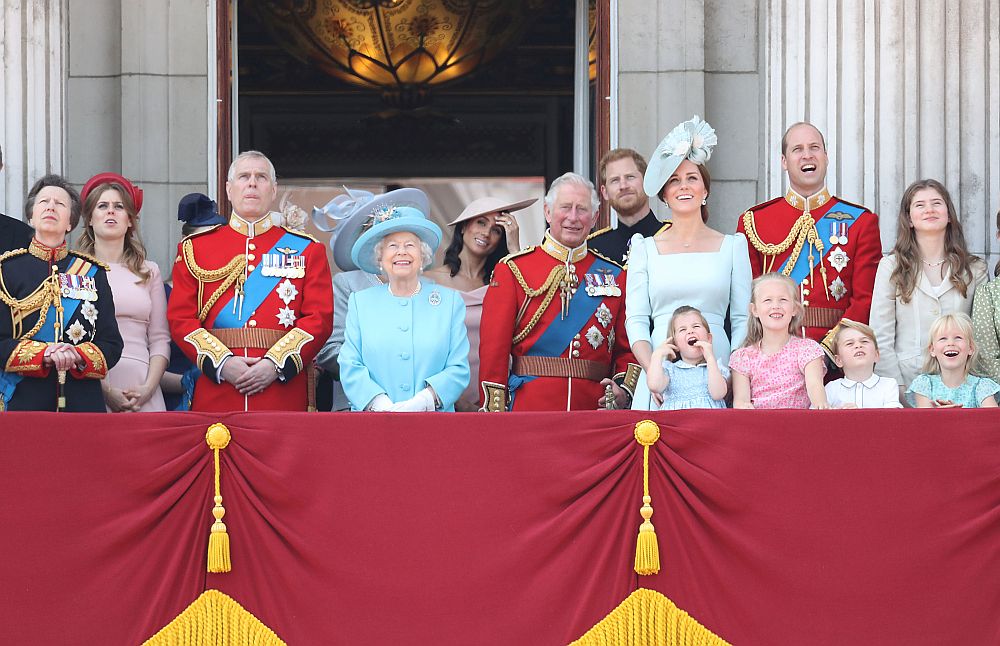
(755, 330)
(848, 324)
(963, 322)
(687, 309)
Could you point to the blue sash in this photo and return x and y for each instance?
(255, 290)
(840, 213)
(8, 380)
(560, 332)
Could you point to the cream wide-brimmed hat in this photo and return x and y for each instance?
(487, 205)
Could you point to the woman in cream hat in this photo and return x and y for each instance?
(485, 232)
(405, 346)
(688, 263)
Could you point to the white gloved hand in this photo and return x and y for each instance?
(380, 403)
(422, 402)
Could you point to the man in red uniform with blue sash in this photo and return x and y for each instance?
(830, 247)
(553, 327)
(252, 301)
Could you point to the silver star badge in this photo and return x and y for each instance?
(595, 337)
(286, 317)
(838, 258)
(603, 315)
(287, 292)
(837, 289)
(89, 312)
(76, 332)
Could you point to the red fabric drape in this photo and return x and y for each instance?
(822, 527)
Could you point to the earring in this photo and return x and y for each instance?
(704, 201)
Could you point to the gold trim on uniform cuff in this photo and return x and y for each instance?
(208, 347)
(289, 346)
(22, 358)
(96, 365)
(629, 379)
(494, 396)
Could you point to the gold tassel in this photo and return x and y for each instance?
(218, 437)
(647, 552)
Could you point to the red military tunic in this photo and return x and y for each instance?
(287, 328)
(843, 287)
(513, 321)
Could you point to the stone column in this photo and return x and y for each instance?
(902, 89)
(31, 80)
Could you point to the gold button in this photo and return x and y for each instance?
(252, 323)
(35, 344)
(576, 353)
(250, 256)
(90, 351)
(250, 267)
(205, 335)
(252, 246)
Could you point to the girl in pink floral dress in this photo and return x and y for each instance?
(775, 368)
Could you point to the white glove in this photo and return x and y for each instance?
(380, 403)
(422, 402)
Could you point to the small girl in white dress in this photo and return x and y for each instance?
(689, 374)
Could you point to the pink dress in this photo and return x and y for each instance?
(141, 311)
(473, 313)
(777, 380)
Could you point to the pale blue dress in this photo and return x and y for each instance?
(969, 394)
(688, 387)
(713, 282)
(398, 345)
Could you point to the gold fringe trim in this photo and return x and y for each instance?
(647, 618)
(215, 619)
(647, 552)
(218, 437)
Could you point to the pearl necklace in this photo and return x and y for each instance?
(415, 291)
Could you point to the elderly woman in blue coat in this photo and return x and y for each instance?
(405, 344)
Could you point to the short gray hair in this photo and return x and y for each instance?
(426, 254)
(251, 154)
(572, 178)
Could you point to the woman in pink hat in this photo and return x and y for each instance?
(485, 232)
(111, 207)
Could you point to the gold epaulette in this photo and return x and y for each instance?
(12, 253)
(201, 232)
(605, 258)
(598, 232)
(506, 259)
(666, 225)
(298, 232)
(91, 259)
(864, 208)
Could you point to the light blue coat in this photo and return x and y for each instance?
(398, 346)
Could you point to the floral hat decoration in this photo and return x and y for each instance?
(693, 140)
(349, 215)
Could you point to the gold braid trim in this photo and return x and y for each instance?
(803, 230)
(231, 272)
(549, 288)
(215, 618)
(647, 618)
(37, 301)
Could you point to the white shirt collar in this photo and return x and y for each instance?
(867, 383)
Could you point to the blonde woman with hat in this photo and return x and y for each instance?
(346, 217)
(111, 206)
(405, 345)
(484, 232)
(688, 263)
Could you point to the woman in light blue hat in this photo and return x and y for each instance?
(686, 263)
(405, 343)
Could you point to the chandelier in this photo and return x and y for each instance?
(402, 48)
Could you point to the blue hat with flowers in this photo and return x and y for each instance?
(393, 219)
(347, 215)
(692, 140)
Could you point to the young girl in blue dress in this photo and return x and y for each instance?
(689, 376)
(950, 379)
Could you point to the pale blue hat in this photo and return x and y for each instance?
(692, 140)
(347, 215)
(392, 219)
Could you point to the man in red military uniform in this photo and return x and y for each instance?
(252, 302)
(830, 247)
(553, 327)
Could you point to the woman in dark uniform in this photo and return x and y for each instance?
(58, 335)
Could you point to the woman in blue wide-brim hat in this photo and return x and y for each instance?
(405, 343)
